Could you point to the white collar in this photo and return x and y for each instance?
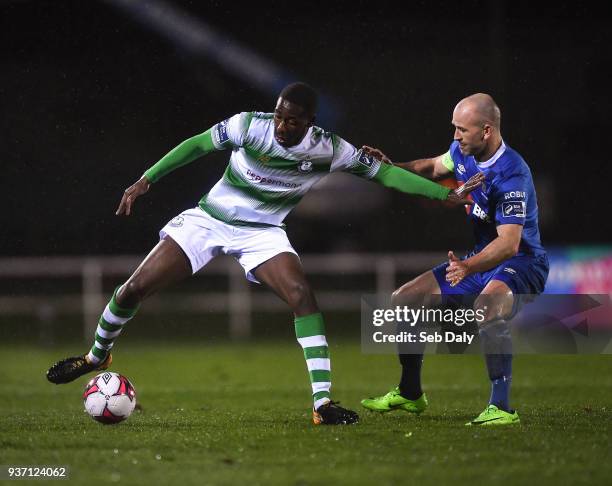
(492, 160)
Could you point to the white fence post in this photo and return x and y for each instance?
(385, 275)
(93, 300)
(239, 303)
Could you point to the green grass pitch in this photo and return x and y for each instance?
(239, 413)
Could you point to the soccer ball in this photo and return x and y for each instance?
(109, 398)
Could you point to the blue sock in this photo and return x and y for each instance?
(500, 392)
(497, 345)
(410, 382)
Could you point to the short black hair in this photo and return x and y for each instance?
(301, 94)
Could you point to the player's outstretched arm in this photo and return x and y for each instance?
(185, 152)
(182, 154)
(431, 168)
(407, 182)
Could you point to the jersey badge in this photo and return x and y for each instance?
(305, 166)
(513, 209)
(366, 159)
(177, 221)
(221, 132)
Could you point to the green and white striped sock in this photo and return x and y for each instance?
(109, 327)
(310, 333)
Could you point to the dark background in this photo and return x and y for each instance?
(90, 98)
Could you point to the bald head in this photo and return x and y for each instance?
(481, 109)
(477, 126)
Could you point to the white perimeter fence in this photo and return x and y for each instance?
(237, 301)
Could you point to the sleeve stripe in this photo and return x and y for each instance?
(448, 162)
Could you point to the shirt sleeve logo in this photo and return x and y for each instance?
(513, 209)
(221, 135)
(366, 159)
(177, 221)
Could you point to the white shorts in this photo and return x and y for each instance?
(203, 237)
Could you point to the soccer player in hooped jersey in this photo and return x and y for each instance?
(275, 159)
(508, 259)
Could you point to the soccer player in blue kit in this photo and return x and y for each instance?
(508, 260)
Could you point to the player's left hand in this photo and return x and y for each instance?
(457, 269)
(130, 194)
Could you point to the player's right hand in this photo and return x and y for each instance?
(377, 154)
(130, 195)
(459, 196)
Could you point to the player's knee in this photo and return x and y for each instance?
(299, 295)
(407, 294)
(395, 297)
(488, 310)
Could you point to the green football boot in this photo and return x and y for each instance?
(394, 401)
(495, 416)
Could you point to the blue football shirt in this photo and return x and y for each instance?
(507, 196)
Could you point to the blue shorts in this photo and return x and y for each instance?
(523, 274)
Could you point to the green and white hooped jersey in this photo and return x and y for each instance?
(264, 181)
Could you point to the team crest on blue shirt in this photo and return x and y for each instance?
(305, 166)
(515, 209)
